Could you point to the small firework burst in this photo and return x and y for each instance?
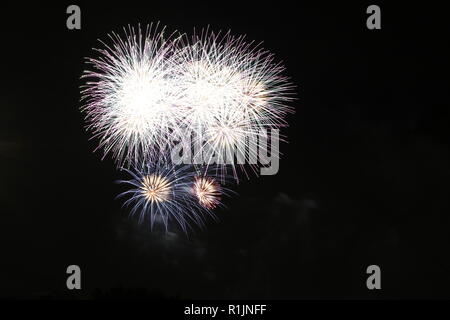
(159, 193)
(162, 193)
(156, 188)
(208, 191)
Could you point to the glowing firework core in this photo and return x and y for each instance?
(155, 188)
(140, 101)
(207, 191)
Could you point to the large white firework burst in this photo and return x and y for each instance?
(232, 92)
(223, 75)
(130, 97)
(145, 91)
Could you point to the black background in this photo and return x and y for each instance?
(364, 179)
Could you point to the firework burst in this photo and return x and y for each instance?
(144, 90)
(230, 91)
(163, 193)
(155, 188)
(130, 98)
(208, 191)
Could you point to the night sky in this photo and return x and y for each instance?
(363, 180)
